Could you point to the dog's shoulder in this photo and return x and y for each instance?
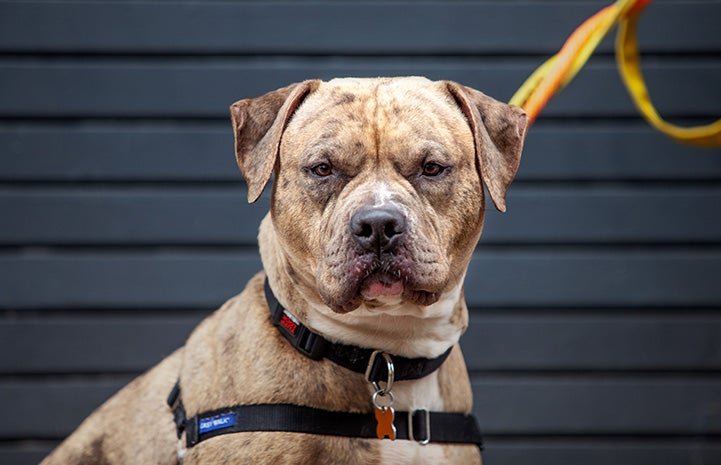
(230, 323)
(236, 357)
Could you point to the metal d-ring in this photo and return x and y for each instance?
(391, 400)
(390, 368)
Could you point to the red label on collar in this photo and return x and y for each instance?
(288, 323)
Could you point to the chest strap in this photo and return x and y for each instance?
(421, 426)
(354, 358)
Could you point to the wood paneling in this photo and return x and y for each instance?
(595, 332)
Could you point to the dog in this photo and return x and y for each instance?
(350, 334)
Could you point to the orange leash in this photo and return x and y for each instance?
(564, 60)
(561, 68)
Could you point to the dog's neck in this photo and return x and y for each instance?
(403, 329)
(395, 327)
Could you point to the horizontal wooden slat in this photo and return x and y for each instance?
(612, 278)
(543, 451)
(332, 27)
(98, 345)
(495, 278)
(205, 88)
(606, 215)
(542, 405)
(517, 405)
(166, 215)
(124, 279)
(158, 152)
(24, 453)
(118, 152)
(611, 152)
(585, 341)
(211, 215)
(53, 409)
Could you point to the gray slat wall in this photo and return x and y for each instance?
(595, 333)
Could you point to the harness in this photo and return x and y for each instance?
(379, 367)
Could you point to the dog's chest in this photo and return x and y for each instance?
(411, 453)
(409, 396)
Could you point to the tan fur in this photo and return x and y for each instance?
(375, 135)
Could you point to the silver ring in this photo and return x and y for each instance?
(391, 400)
(390, 368)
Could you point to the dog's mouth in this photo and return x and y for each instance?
(383, 280)
(380, 285)
(380, 288)
(376, 292)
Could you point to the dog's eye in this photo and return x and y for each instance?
(432, 169)
(322, 170)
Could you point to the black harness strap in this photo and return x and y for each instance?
(420, 425)
(354, 358)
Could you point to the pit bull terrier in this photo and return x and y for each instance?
(352, 330)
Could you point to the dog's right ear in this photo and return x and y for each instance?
(258, 124)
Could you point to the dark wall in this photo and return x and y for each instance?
(595, 332)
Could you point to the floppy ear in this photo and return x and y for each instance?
(498, 132)
(258, 124)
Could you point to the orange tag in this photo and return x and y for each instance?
(385, 427)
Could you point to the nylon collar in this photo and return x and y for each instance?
(354, 358)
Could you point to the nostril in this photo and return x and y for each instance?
(366, 230)
(360, 227)
(374, 227)
(391, 230)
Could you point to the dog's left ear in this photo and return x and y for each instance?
(258, 124)
(498, 132)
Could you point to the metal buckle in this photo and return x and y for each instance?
(428, 426)
(390, 368)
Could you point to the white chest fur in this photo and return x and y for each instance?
(413, 395)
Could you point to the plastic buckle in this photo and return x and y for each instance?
(310, 343)
(174, 396)
(426, 420)
(304, 340)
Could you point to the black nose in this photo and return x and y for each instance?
(377, 228)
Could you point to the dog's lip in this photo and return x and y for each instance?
(378, 285)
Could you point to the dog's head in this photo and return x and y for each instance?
(378, 195)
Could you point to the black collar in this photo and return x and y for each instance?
(354, 358)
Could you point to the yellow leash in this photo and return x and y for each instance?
(561, 68)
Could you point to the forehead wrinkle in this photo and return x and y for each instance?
(435, 121)
(320, 148)
(376, 121)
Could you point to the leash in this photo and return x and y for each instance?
(419, 425)
(554, 74)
